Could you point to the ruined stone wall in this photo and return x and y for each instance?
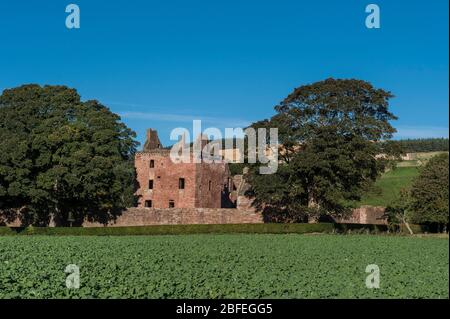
(366, 215)
(153, 216)
(165, 175)
(242, 200)
(212, 181)
(204, 183)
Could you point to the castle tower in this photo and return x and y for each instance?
(152, 141)
(163, 183)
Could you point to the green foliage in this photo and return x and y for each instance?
(387, 188)
(6, 231)
(237, 168)
(425, 201)
(61, 156)
(429, 192)
(267, 228)
(397, 211)
(224, 266)
(417, 229)
(360, 228)
(174, 229)
(331, 133)
(424, 145)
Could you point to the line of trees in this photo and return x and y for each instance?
(424, 145)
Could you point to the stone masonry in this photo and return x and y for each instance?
(173, 216)
(165, 184)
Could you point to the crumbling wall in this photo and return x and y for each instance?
(366, 215)
(153, 216)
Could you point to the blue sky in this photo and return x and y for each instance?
(162, 64)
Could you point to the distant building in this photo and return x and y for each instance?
(165, 184)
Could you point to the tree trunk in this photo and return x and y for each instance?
(312, 204)
(407, 226)
(311, 201)
(313, 220)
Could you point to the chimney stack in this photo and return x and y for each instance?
(152, 141)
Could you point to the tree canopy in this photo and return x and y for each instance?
(424, 145)
(331, 133)
(429, 192)
(61, 158)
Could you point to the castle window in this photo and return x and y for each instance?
(150, 184)
(148, 203)
(209, 185)
(152, 163)
(171, 204)
(181, 183)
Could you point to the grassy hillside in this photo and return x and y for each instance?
(388, 187)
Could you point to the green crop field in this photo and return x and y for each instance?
(387, 188)
(224, 266)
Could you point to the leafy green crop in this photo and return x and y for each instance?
(224, 266)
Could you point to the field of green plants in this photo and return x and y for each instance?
(224, 266)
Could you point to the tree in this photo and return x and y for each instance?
(429, 193)
(424, 145)
(398, 212)
(331, 135)
(60, 156)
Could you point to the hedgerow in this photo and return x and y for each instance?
(267, 228)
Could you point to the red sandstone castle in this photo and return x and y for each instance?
(165, 184)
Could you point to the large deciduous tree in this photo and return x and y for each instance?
(62, 158)
(429, 193)
(333, 138)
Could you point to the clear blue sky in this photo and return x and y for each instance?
(161, 64)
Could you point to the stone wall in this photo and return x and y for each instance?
(154, 216)
(204, 183)
(171, 216)
(165, 176)
(366, 215)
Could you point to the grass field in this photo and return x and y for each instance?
(224, 266)
(425, 156)
(388, 187)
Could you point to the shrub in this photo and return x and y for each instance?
(173, 229)
(268, 228)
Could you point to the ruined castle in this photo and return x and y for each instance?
(165, 184)
(202, 192)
